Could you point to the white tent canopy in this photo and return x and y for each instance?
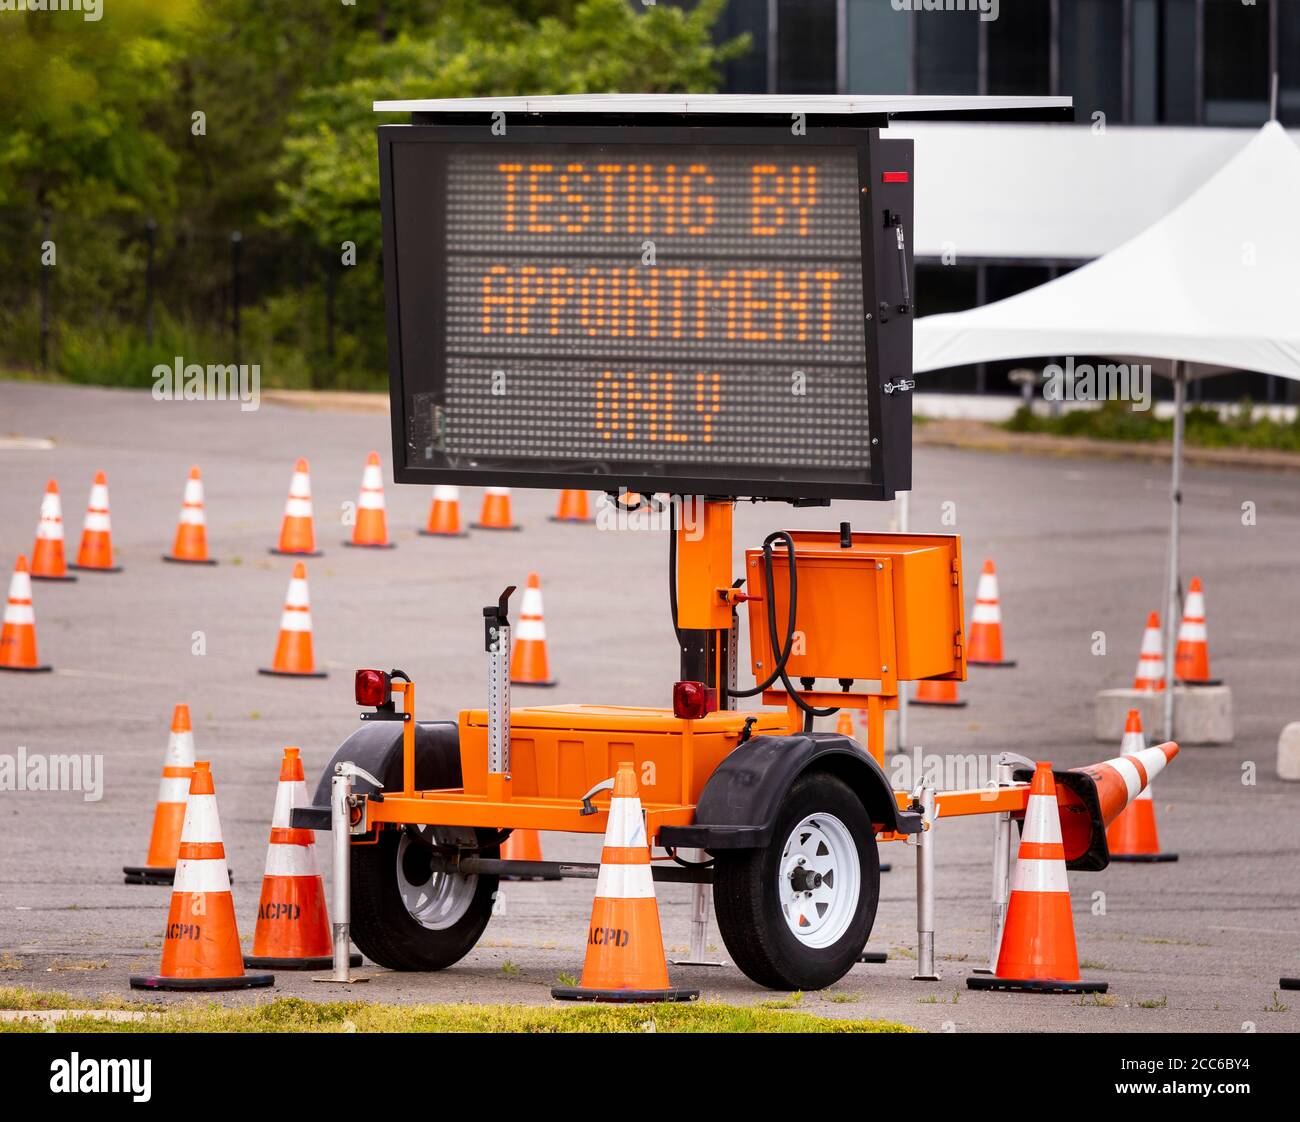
(1215, 281)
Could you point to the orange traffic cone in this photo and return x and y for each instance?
(495, 514)
(169, 813)
(293, 653)
(1151, 659)
(844, 723)
(625, 948)
(444, 514)
(572, 507)
(1038, 952)
(201, 942)
(528, 658)
(48, 562)
(1192, 655)
(96, 552)
(298, 530)
(293, 930)
(18, 636)
(985, 647)
(524, 845)
(937, 691)
(191, 545)
(1132, 836)
(371, 529)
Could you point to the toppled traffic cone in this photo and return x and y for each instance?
(1151, 659)
(169, 813)
(293, 651)
(371, 529)
(18, 635)
(937, 691)
(96, 552)
(572, 507)
(191, 545)
(48, 561)
(1192, 654)
(985, 647)
(201, 942)
(1133, 836)
(444, 514)
(528, 666)
(625, 949)
(1038, 952)
(293, 930)
(298, 529)
(495, 514)
(524, 845)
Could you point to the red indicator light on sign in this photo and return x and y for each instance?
(693, 700)
(895, 177)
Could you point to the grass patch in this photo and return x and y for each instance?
(291, 1014)
(1153, 1003)
(1206, 427)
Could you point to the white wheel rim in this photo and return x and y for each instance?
(440, 901)
(819, 879)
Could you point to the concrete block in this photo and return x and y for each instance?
(1202, 714)
(1288, 752)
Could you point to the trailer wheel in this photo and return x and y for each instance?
(796, 914)
(407, 917)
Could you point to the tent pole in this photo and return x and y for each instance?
(1175, 507)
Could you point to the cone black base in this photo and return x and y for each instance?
(295, 553)
(200, 985)
(1144, 858)
(571, 521)
(1032, 985)
(622, 997)
(65, 577)
(292, 673)
(435, 534)
(188, 560)
(937, 704)
(1289, 983)
(28, 669)
(1200, 682)
(981, 662)
(324, 962)
(480, 526)
(540, 685)
(143, 874)
(886, 867)
(874, 956)
(96, 568)
(365, 545)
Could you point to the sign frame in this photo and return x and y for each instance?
(886, 336)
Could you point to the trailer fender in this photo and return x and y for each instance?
(739, 804)
(376, 747)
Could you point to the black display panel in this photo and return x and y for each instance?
(658, 309)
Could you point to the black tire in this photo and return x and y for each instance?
(748, 906)
(383, 928)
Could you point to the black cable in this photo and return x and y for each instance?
(672, 566)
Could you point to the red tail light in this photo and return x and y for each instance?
(373, 688)
(693, 700)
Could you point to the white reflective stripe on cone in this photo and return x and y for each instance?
(371, 500)
(1153, 762)
(97, 522)
(194, 492)
(289, 793)
(985, 613)
(1042, 821)
(98, 497)
(19, 613)
(988, 587)
(296, 597)
(172, 789)
(497, 490)
(290, 860)
(295, 619)
(51, 523)
(444, 493)
(20, 586)
(297, 508)
(1128, 772)
(625, 827)
(1192, 632)
(201, 821)
(625, 882)
(531, 604)
(530, 630)
(201, 876)
(180, 751)
(300, 485)
(1036, 875)
(192, 515)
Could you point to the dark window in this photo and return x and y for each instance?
(1288, 53)
(1236, 63)
(747, 74)
(947, 288)
(1019, 48)
(947, 52)
(1092, 57)
(806, 46)
(1177, 62)
(1145, 70)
